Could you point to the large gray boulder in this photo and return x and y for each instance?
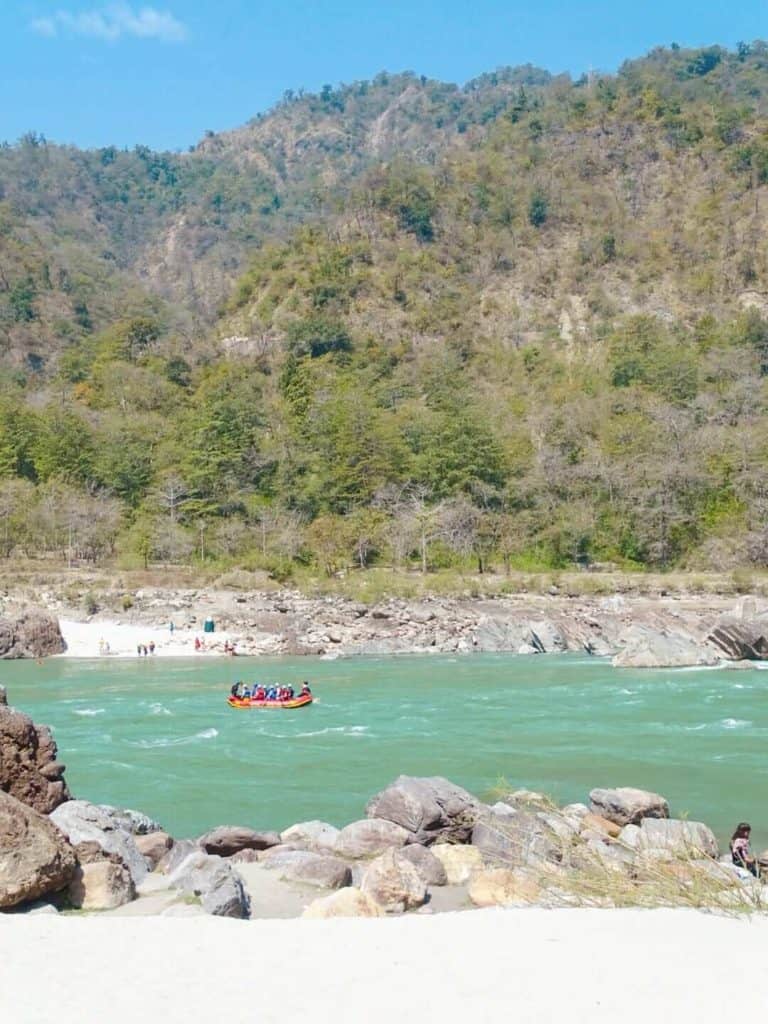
(33, 634)
(228, 839)
(689, 839)
(29, 768)
(428, 808)
(430, 869)
(83, 822)
(369, 838)
(135, 822)
(311, 835)
(216, 883)
(394, 883)
(35, 858)
(517, 840)
(310, 869)
(648, 648)
(626, 805)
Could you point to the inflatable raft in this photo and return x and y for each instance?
(246, 703)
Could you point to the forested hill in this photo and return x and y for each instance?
(521, 322)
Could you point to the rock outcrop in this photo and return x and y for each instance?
(35, 858)
(741, 640)
(82, 822)
(427, 808)
(627, 806)
(648, 648)
(34, 634)
(29, 769)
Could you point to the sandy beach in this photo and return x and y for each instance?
(120, 640)
(532, 966)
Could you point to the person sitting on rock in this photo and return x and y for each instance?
(740, 852)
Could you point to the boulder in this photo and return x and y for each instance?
(153, 846)
(82, 822)
(394, 883)
(430, 868)
(29, 769)
(312, 835)
(691, 839)
(310, 869)
(597, 823)
(648, 648)
(502, 887)
(33, 634)
(459, 862)
(246, 857)
(599, 853)
(101, 886)
(35, 858)
(349, 902)
(626, 805)
(214, 881)
(741, 640)
(428, 808)
(228, 839)
(178, 853)
(135, 822)
(369, 838)
(514, 841)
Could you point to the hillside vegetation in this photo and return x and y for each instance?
(520, 324)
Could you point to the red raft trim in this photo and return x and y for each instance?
(288, 705)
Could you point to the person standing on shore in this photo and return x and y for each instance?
(171, 627)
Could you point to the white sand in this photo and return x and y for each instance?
(119, 640)
(521, 966)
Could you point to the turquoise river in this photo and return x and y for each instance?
(158, 735)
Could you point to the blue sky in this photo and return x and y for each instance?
(161, 72)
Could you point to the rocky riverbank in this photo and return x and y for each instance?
(423, 845)
(635, 630)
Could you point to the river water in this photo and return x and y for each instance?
(157, 734)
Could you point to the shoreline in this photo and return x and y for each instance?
(670, 631)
